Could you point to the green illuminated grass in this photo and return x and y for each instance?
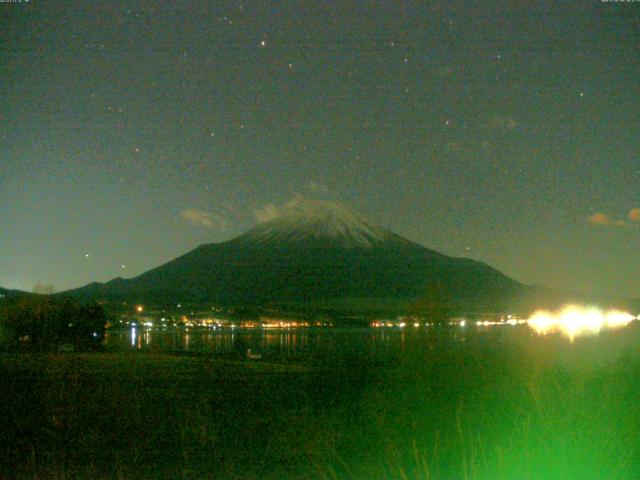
(445, 412)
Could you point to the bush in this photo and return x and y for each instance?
(43, 323)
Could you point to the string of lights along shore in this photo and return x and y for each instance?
(505, 132)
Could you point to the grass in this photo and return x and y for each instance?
(447, 411)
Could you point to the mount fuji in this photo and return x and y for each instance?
(315, 252)
(320, 254)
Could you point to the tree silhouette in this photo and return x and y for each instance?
(44, 322)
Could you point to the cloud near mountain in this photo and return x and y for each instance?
(200, 218)
(299, 205)
(601, 219)
(266, 213)
(598, 218)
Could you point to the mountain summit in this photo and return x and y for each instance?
(308, 221)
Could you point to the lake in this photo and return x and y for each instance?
(383, 343)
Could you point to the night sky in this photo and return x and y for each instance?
(131, 132)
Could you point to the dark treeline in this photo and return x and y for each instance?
(41, 323)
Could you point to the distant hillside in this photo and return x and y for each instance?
(6, 293)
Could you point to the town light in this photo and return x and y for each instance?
(574, 320)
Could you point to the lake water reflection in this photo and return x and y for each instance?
(303, 343)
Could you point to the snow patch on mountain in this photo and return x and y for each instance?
(304, 219)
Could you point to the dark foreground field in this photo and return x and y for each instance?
(446, 413)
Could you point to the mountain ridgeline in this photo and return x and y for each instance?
(319, 254)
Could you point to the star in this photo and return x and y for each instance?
(86, 255)
(263, 43)
(581, 94)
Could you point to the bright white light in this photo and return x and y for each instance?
(574, 320)
(133, 336)
(463, 323)
(617, 318)
(487, 323)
